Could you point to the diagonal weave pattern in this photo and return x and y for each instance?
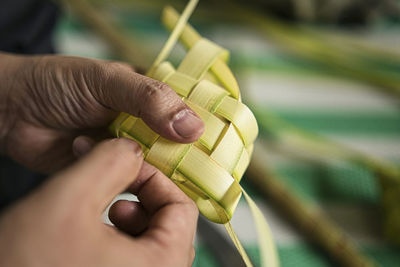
(209, 170)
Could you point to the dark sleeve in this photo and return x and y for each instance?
(26, 27)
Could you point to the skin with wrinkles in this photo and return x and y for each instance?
(55, 99)
(53, 111)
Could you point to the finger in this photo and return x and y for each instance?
(173, 220)
(103, 173)
(82, 145)
(122, 89)
(128, 216)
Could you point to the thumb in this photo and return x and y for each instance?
(107, 170)
(122, 89)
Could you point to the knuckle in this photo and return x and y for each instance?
(109, 70)
(104, 70)
(192, 205)
(100, 74)
(97, 66)
(160, 97)
(153, 96)
(154, 89)
(190, 208)
(164, 88)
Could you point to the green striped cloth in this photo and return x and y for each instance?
(346, 111)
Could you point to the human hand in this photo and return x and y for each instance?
(60, 224)
(48, 101)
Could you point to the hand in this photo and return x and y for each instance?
(48, 101)
(59, 224)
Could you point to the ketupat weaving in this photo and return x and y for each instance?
(209, 170)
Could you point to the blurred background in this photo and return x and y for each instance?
(323, 79)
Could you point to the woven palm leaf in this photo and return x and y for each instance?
(209, 170)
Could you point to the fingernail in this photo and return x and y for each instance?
(186, 123)
(135, 146)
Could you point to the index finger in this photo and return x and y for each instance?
(173, 215)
